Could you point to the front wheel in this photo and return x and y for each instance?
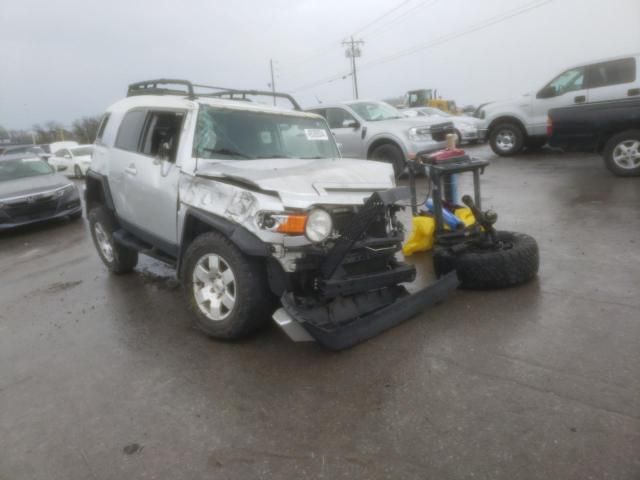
(506, 139)
(117, 258)
(513, 261)
(622, 154)
(391, 154)
(226, 290)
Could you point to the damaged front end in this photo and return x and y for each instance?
(349, 291)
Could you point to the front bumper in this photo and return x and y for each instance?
(370, 314)
(17, 216)
(356, 284)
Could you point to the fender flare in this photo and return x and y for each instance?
(246, 241)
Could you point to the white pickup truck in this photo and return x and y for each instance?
(513, 125)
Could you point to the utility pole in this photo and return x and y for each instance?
(353, 51)
(273, 81)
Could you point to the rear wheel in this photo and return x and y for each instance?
(622, 154)
(506, 139)
(226, 290)
(117, 258)
(514, 261)
(391, 154)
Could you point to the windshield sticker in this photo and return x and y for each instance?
(316, 134)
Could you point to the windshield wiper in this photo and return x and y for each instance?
(273, 156)
(228, 151)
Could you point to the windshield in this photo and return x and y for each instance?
(82, 151)
(431, 111)
(224, 133)
(375, 111)
(22, 168)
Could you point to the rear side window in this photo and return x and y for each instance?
(103, 125)
(612, 73)
(130, 129)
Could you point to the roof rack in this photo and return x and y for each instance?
(158, 87)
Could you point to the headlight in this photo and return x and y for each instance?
(420, 134)
(319, 225)
(65, 190)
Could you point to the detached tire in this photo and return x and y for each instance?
(512, 265)
(622, 154)
(226, 290)
(391, 154)
(117, 258)
(506, 139)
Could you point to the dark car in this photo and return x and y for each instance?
(25, 150)
(610, 128)
(31, 191)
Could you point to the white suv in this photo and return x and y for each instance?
(513, 125)
(254, 207)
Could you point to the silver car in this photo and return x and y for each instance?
(466, 127)
(376, 130)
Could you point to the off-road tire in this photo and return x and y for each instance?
(253, 298)
(501, 129)
(391, 154)
(488, 269)
(124, 259)
(608, 152)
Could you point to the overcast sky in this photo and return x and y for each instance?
(64, 59)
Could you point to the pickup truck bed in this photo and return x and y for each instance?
(610, 128)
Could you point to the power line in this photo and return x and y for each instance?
(452, 36)
(385, 27)
(377, 19)
(323, 51)
(440, 40)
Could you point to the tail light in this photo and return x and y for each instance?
(549, 127)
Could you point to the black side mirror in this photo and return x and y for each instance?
(164, 151)
(547, 92)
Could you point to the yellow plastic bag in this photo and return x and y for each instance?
(422, 235)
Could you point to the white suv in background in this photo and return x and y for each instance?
(513, 125)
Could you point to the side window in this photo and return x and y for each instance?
(103, 125)
(338, 117)
(61, 153)
(568, 81)
(320, 111)
(130, 129)
(612, 73)
(161, 134)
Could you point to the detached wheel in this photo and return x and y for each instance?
(506, 139)
(226, 290)
(117, 258)
(514, 263)
(622, 154)
(391, 154)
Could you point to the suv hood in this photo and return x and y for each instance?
(407, 123)
(302, 183)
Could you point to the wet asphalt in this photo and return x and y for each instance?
(104, 377)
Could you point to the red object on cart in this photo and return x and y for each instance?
(446, 154)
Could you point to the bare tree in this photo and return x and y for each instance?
(85, 129)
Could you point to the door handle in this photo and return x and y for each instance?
(131, 170)
(633, 91)
(579, 99)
